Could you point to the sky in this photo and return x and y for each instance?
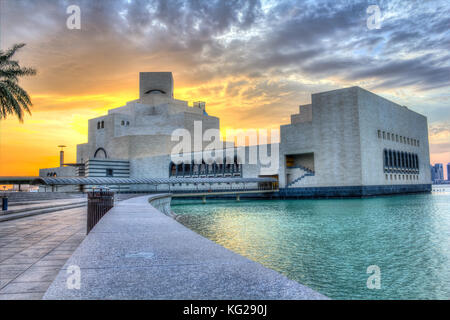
(252, 61)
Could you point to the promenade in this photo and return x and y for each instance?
(33, 250)
(137, 252)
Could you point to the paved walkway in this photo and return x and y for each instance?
(137, 252)
(33, 250)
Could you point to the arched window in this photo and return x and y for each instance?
(103, 124)
(172, 169)
(385, 158)
(204, 167)
(195, 168)
(179, 171)
(100, 153)
(187, 169)
(395, 159)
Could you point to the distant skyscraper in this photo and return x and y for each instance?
(448, 171)
(440, 170)
(437, 172)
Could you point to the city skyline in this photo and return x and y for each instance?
(445, 170)
(252, 62)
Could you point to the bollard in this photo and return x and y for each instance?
(4, 203)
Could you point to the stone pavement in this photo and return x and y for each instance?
(137, 252)
(33, 250)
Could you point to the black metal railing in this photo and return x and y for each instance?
(99, 203)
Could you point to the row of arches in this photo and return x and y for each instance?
(400, 161)
(205, 169)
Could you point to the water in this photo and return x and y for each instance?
(328, 244)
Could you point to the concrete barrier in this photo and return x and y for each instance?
(138, 252)
(161, 202)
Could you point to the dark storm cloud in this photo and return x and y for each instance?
(423, 71)
(227, 41)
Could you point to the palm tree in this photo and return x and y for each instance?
(13, 99)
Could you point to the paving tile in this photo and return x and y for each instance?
(11, 274)
(38, 274)
(50, 263)
(11, 267)
(33, 250)
(25, 287)
(22, 296)
(4, 282)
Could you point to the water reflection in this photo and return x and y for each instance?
(328, 244)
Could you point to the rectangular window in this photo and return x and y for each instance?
(401, 139)
(396, 137)
(109, 172)
(384, 135)
(379, 134)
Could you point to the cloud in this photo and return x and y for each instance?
(253, 61)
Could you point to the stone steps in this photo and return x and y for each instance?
(41, 205)
(299, 181)
(33, 212)
(14, 197)
(301, 173)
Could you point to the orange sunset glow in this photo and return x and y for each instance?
(249, 67)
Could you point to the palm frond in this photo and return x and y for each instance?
(13, 99)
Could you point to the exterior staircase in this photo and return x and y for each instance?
(300, 173)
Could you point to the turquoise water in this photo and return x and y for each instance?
(328, 244)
